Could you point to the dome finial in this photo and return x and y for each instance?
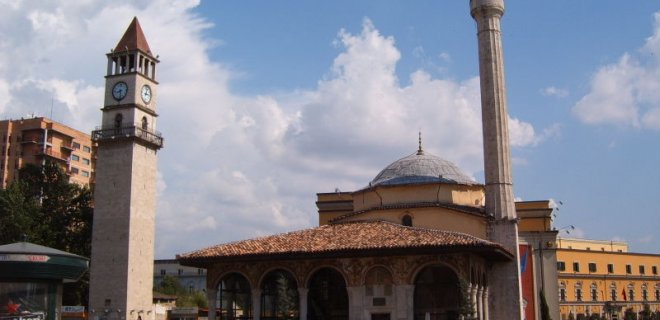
(420, 151)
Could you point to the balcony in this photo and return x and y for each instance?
(134, 132)
(32, 140)
(52, 154)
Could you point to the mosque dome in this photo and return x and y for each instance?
(419, 168)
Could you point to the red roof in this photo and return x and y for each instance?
(133, 39)
(352, 238)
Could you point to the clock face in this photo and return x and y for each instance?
(146, 93)
(119, 90)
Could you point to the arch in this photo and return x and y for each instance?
(279, 296)
(378, 281)
(327, 297)
(407, 220)
(119, 118)
(438, 293)
(145, 123)
(235, 297)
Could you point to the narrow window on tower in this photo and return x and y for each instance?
(118, 120)
(145, 123)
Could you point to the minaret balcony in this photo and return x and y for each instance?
(134, 132)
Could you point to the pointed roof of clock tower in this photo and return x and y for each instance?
(133, 39)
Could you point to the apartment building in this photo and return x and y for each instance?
(33, 140)
(604, 278)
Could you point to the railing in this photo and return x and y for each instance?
(153, 138)
(53, 154)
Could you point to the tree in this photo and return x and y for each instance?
(170, 285)
(545, 310)
(47, 209)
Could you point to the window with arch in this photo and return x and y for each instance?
(631, 292)
(562, 291)
(406, 220)
(279, 296)
(145, 123)
(613, 291)
(657, 292)
(378, 282)
(119, 118)
(235, 297)
(645, 293)
(594, 292)
(578, 292)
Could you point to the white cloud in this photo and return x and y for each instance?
(233, 166)
(554, 92)
(626, 93)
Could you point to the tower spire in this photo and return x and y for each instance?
(420, 151)
(133, 39)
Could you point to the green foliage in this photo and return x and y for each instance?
(545, 310)
(44, 208)
(170, 285)
(630, 314)
(466, 307)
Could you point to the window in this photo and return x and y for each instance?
(76, 145)
(561, 266)
(162, 272)
(200, 271)
(642, 269)
(406, 221)
(87, 149)
(610, 268)
(74, 170)
(631, 293)
(613, 294)
(562, 294)
(84, 173)
(657, 294)
(645, 293)
(578, 294)
(118, 120)
(592, 267)
(145, 123)
(594, 293)
(86, 161)
(180, 271)
(75, 157)
(654, 270)
(576, 267)
(628, 269)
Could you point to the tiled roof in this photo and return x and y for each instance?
(479, 211)
(133, 39)
(352, 238)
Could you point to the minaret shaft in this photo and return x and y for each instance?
(504, 282)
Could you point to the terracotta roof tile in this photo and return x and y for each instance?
(359, 236)
(133, 39)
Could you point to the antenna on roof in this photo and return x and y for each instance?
(420, 151)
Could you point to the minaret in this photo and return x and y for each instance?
(121, 276)
(504, 281)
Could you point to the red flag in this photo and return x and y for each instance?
(624, 294)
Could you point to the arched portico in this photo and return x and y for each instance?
(437, 293)
(327, 297)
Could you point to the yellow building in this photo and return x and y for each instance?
(604, 278)
(33, 140)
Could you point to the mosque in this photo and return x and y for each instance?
(421, 241)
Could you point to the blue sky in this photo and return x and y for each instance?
(265, 103)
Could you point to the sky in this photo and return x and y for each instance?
(263, 104)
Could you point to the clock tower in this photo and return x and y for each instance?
(121, 276)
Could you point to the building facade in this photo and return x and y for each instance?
(121, 275)
(36, 140)
(191, 278)
(604, 278)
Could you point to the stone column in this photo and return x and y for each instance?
(256, 304)
(473, 299)
(485, 303)
(355, 301)
(480, 302)
(302, 304)
(507, 297)
(212, 297)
